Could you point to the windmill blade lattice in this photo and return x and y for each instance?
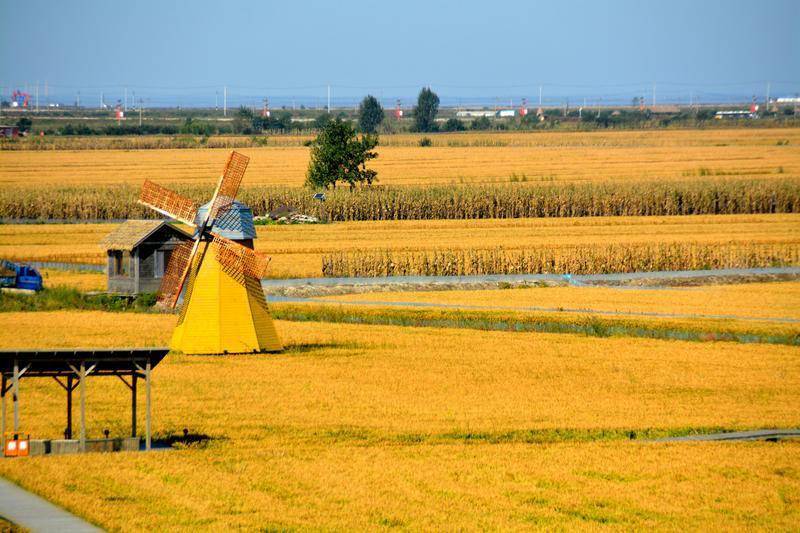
(238, 261)
(229, 184)
(175, 273)
(168, 202)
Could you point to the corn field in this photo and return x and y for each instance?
(457, 202)
(562, 260)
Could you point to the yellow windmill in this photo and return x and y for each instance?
(224, 309)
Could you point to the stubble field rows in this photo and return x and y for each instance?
(297, 250)
(454, 158)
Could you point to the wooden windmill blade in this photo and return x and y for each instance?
(239, 261)
(228, 184)
(180, 261)
(167, 202)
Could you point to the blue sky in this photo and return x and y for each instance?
(496, 48)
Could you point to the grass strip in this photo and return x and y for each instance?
(65, 298)
(695, 330)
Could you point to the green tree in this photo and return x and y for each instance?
(321, 120)
(24, 124)
(339, 154)
(243, 121)
(370, 114)
(425, 110)
(481, 123)
(453, 124)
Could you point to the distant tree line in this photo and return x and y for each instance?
(370, 119)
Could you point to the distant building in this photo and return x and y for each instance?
(138, 253)
(475, 113)
(734, 114)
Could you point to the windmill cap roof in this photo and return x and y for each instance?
(236, 223)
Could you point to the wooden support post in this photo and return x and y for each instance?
(68, 432)
(133, 403)
(82, 385)
(15, 395)
(147, 370)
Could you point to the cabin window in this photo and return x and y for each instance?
(120, 265)
(162, 260)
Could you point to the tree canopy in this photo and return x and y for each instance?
(339, 154)
(425, 110)
(370, 114)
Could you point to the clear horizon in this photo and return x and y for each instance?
(177, 53)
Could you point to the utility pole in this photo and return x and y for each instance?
(125, 103)
(654, 94)
(37, 96)
(225, 101)
(78, 101)
(46, 95)
(329, 98)
(766, 104)
(540, 96)
(216, 100)
(101, 100)
(140, 112)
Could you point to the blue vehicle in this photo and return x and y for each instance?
(19, 276)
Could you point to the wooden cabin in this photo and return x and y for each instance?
(138, 252)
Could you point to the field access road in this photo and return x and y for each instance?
(757, 434)
(33, 513)
(576, 280)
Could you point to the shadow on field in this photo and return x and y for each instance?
(184, 440)
(340, 348)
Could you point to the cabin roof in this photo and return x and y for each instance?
(132, 233)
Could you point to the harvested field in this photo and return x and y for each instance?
(297, 250)
(495, 428)
(454, 158)
(83, 281)
(776, 300)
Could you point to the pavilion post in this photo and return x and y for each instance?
(133, 403)
(15, 395)
(68, 432)
(147, 370)
(82, 385)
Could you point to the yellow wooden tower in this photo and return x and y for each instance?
(224, 309)
(221, 314)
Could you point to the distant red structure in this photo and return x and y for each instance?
(523, 110)
(398, 112)
(20, 99)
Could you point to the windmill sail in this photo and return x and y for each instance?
(238, 261)
(167, 202)
(229, 184)
(179, 262)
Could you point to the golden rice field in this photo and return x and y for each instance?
(774, 300)
(370, 427)
(297, 250)
(453, 158)
(83, 281)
